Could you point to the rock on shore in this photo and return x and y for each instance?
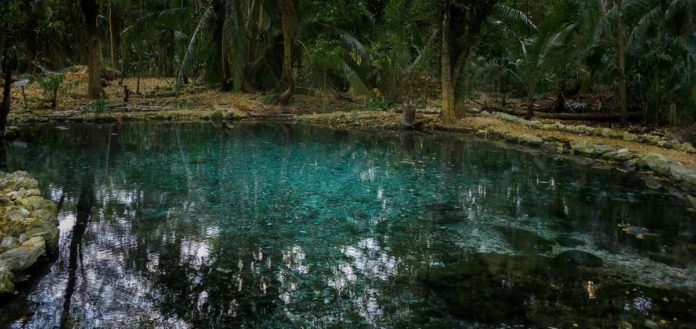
(28, 227)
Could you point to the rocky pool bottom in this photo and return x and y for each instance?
(279, 225)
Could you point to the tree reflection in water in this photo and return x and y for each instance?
(83, 212)
(197, 225)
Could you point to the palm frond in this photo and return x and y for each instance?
(186, 62)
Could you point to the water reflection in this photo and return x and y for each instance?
(288, 226)
(84, 210)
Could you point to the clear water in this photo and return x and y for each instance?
(282, 226)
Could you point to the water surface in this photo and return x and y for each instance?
(283, 226)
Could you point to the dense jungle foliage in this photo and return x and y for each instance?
(625, 56)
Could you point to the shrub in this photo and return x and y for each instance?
(51, 83)
(98, 106)
(379, 104)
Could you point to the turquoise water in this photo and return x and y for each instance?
(284, 226)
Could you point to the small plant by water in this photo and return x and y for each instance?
(182, 104)
(98, 107)
(379, 104)
(50, 83)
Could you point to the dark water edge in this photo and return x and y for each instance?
(277, 225)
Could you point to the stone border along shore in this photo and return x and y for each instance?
(28, 228)
(661, 165)
(647, 139)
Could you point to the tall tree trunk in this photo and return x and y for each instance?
(229, 24)
(469, 15)
(286, 12)
(90, 9)
(621, 53)
(114, 60)
(6, 98)
(448, 94)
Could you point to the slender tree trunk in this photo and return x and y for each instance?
(447, 114)
(621, 53)
(114, 60)
(530, 107)
(229, 24)
(124, 65)
(54, 99)
(90, 9)
(6, 99)
(286, 12)
(140, 66)
(688, 28)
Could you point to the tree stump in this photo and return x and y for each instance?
(408, 117)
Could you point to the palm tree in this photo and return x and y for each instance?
(539, 54)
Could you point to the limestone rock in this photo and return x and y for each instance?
(665, 144)
(17, 181)
(599, 149)
(28, 224)
(629, 137)
(583, 148)
(611, 155)
(24, 256)
(234, 114)
(690, 179)
(14, 195)
(8, 242)
(530, 140)
(34, 203)
(657, 163)
(6, 284)
(623, 155)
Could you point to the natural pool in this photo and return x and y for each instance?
(284, 226)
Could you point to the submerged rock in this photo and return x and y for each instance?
(490, 287)
(525, 241)
(577, 258)
(650, 324)
(692, 201)
(569, 242)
